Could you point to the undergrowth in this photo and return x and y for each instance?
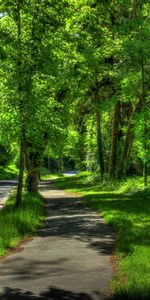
(8, 172)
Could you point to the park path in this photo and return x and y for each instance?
(6, 186)
(69, 258)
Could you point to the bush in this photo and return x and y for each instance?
(5, 155)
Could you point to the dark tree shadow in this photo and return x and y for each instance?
(8, 183)
(122, 207)
(58, 294)
(52, 294)
(134, 294)
(69, 217)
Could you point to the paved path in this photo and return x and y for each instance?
(70, 173)
(69, 259)
(6, 186)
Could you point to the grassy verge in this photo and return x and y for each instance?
(8, 172)
(46, 174)
(126, 206)
(15, 225)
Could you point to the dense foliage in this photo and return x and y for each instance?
(75, 86)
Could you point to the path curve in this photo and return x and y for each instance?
(69, 259)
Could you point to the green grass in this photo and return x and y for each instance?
(126, 206)
(15, 225)
(45, 174)
(8, 172)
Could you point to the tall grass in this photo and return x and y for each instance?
(18, 224)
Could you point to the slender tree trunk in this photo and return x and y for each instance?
(128, 140)
(114, 143)
(127, 149)
(20, 94)
(20, 179)
(60, 162)
(145, 169)
(145, 173)
(39, 176)
(33, 167)
(81, 151)
(100, 146)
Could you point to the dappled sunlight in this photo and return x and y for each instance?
(69, 218)
(70, 253)
(129, 214)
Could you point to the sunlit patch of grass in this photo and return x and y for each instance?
(16, 224)
(136, 268)
(46, 174)
(127, 208)
(132, 184)
(75, 183)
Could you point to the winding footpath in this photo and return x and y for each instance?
(68, 259)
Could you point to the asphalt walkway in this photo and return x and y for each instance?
(69, 258)
(6, 186)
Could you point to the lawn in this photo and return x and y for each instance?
(126, 206)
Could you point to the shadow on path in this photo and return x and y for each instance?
(8, 183)
(68, 217)
(52, 294)
(69, 257)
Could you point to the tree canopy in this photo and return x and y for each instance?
(75, 85)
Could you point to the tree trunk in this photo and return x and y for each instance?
(127, 150)
(33, 167)
(32, 176)
(128, 141)
(32, 181)
(114, 143)
(145, 174)
(61, 166)
(81, 151)
(20, 179)
(100, 145)
(21, 108)
(145, 171)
